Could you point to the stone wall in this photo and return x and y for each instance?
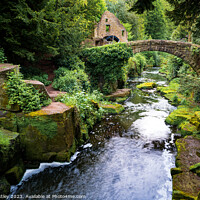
(114, 27)
(46, 135)
(189, 52)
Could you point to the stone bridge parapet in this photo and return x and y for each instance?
(189, 52)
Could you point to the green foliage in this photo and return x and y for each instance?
(31, 29)
(3, 58)
(40, 124)
(70, 62)
(27, 97)
(32, 73)
(131, 21)
(175, 100)
(87, 105)
(104, 65)
(153, 58)
(4, 141)
(136, 64)
(174, 66)
(141, 5)
(71, 80)
(190, 85)
(42, 78)
(155, 22)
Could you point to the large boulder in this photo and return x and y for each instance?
(50, 133)
(10, 149)
(186, 177)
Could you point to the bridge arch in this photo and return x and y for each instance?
(190, 53)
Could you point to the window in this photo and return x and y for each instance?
(106, 20)
(122, 32)
(107, 28)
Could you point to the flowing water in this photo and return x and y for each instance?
(129, 156)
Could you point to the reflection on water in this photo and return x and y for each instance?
(128, 158)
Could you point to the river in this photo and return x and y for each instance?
(129, 156)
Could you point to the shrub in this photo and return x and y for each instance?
(136, 64)
(32, 73)
(42, 78)
(190, 85)
(70, 62)
(71, 80)
(26, 96)
(87, 106)
(104, 65)
(2, 56)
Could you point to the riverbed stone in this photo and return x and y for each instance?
(120, 95)
(179, 115)
(186, 184)
(147, 85)
(113, 108)
(187, 128)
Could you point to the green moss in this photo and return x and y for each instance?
(195, 120)
(171, 88)
(175, 171)
(63, 156)
(113, 109)
(84, 134)
(121, 100)
(148, 85)
(182, 195)
(49, 157)
(15, 174)
(44, 125)
(9, 121)
(4, 139)
(179, 115)
(195, 168)
(187, 128)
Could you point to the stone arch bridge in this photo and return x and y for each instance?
(190, 53)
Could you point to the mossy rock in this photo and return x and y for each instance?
(113, 109)
(51, 129)
(187, 128)
(147, 85)
(195, 168)
(8, 120)
(171, 88)
(179, 115)
(63, 156)
(179, 195)
(15, 174)
(176, 170)
(186, 184)
(10, 149)
(4, 186)
(119, 96)
(195, 120)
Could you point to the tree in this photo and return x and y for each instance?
(31, 29)
(132, 22)
(155, 22)
(182, 10)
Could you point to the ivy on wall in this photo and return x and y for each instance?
(104, 65)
